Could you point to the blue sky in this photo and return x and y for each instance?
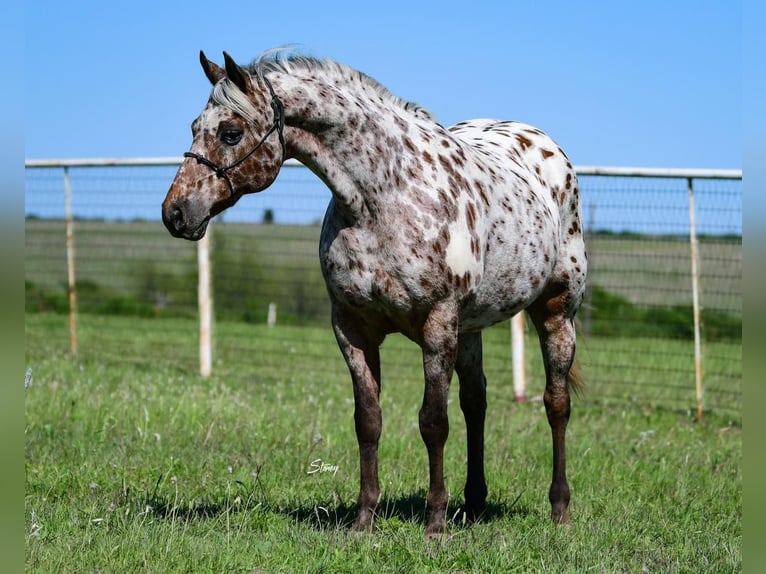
(651, 83)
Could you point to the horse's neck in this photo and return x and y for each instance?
(346, 145)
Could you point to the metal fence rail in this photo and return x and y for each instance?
(661, 323)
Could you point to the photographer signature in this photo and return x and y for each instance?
(318, 466)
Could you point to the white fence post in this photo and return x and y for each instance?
(517, 357)
(695, 300)
(204, 300)
(70, 262)
(271, 318)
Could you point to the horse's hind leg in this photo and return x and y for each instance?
(360, 348)
(555, 327)
(439, 346)
(473, 403)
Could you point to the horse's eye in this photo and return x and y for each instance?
(231, 136)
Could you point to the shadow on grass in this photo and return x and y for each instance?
(333, 516)
(165, 509)
(408, 509)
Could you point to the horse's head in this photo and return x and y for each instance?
(237, 148)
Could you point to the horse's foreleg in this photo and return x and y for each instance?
(361, 351)
(439, 353)
(557, 339)
(473, 403)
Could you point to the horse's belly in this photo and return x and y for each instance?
(487, 308)
(513, 278)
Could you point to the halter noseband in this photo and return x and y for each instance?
(279, 125)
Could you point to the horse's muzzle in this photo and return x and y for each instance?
(178, 221)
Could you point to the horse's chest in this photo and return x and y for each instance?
(353, 268)
(364, 268)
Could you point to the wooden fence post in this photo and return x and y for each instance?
(517, 354)
(271, 318)
(205, 304)
(695, 299)
(69, 223)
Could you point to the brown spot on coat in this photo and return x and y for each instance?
(470, 216)
(446, 164)
(524, 141)
(482, 192)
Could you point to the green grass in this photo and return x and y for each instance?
(658, 372)
(135, 464)
(656, 270)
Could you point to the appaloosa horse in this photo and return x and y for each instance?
(432, 232)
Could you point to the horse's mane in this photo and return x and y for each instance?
(287, 61)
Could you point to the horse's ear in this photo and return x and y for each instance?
(237, 75)
(213, 71)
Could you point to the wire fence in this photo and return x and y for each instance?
(136, 289)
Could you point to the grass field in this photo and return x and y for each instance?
(135, 464)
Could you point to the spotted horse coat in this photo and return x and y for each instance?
(432, 232)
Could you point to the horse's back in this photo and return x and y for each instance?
(521, 153)
(533, 232)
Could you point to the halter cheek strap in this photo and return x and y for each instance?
(279, 126)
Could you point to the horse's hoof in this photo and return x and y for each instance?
(436, 530)
(475, 494)
(474, 512)
(561, 518)
(362, 524)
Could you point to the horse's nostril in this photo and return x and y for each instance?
(177, 218)
(173, 218)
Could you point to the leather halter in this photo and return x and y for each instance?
(279, 125)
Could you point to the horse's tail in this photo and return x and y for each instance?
(575, 379)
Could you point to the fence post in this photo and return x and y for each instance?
(205, 304)
(271, 318)
(69, 223)
(587, 303)
(517, 358)
(695, 299)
